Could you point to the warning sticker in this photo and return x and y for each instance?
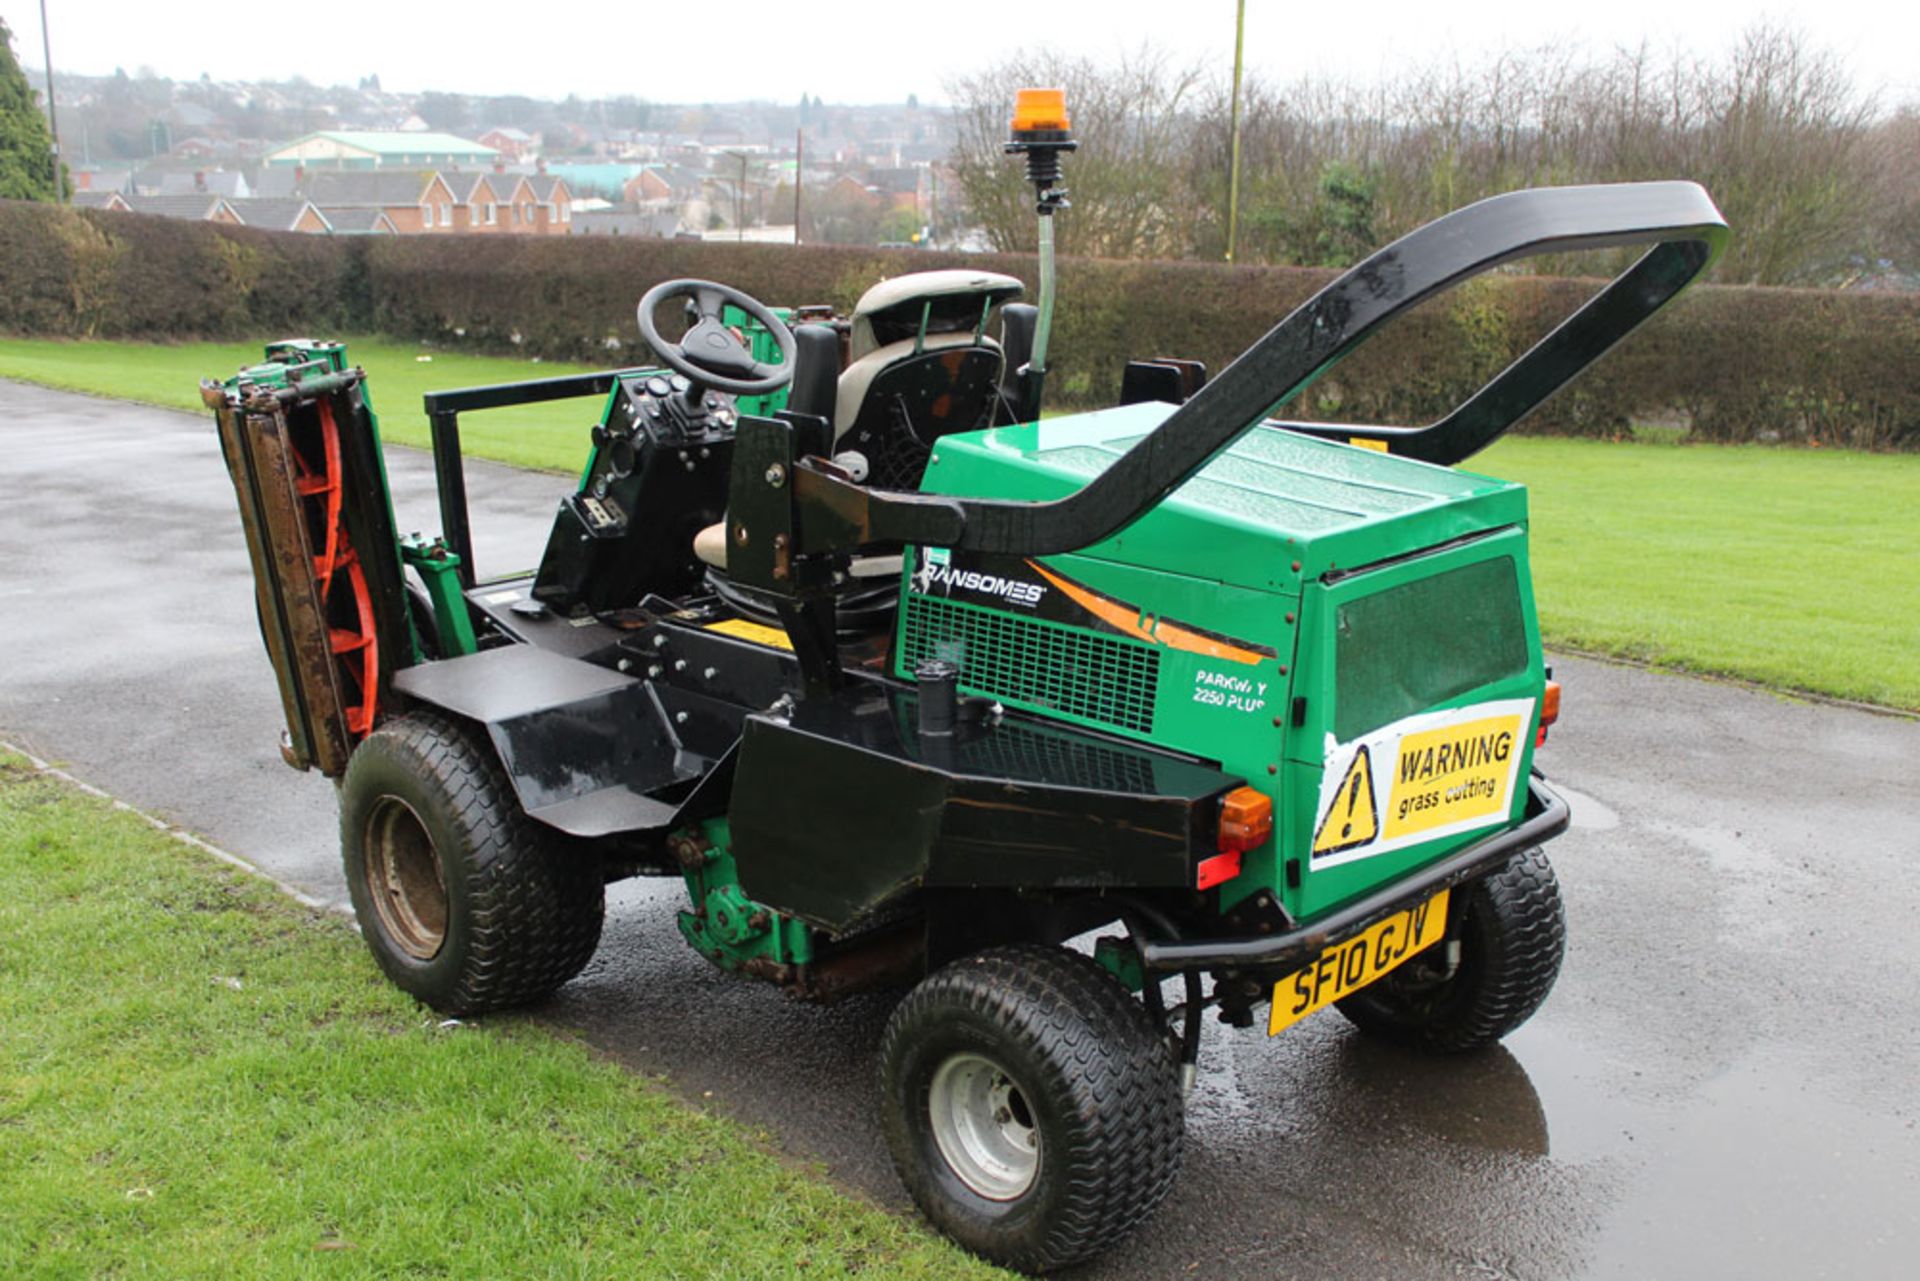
(1429, 776)
(1353, 819)
(758, 633)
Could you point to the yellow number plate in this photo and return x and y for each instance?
(1345, 968)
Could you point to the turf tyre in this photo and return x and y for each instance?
(1099, 1081)
(521, 913)
(1512, 936)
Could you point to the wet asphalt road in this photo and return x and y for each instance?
(1723, 1084)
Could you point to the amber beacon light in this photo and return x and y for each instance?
(1040, 111)
(1040, 133)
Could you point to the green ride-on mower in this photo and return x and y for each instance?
(911, 686)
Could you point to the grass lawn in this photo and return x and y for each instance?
(1796, 568)
(553, 435)
(199, 1078)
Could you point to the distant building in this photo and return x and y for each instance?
(511, 204)
(354, 220)
(361, 149)
(553, 204)
(622, 222)
(514, 144)
(101, 200)
(606, 178)
(102, 179)
(280, 215)
(411, 201)
(193, 208)
(230, 183)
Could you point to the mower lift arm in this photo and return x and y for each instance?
(829, 512)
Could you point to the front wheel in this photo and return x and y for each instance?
(1510, 939)
(466, 902)
(1032, 1108)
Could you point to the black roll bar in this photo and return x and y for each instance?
(450, 470)
(1678, 219)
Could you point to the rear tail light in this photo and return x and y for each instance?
(1246, 820)
(1549, 710)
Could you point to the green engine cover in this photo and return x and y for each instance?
(1306, 613)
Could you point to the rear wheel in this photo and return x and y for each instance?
(466, 902)
(1032, 1108)
(1511, 937)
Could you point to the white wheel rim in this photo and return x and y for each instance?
(984, 1127)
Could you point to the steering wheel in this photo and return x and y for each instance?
(709, 352)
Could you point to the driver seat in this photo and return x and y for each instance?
(919, 366)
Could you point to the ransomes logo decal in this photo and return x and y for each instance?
(1047, 593)
(1012, 590)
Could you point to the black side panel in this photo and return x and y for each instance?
(629, 530)
(589, 751)
(846, 807)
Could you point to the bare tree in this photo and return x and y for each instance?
(1773, 127)
(1132, 121)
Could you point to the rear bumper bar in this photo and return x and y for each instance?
(1546, 817)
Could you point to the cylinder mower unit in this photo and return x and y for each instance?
(303, 449)
(907, 686)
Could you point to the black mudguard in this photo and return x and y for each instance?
(844, 807)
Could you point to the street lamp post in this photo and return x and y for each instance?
(1233, 162)
(53, 121)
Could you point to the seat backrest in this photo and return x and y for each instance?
(934, 301)
(897, 400)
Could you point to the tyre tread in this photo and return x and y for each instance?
(1128, 1127)
(536, 907)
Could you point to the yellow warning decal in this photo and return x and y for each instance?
(1357, 441)
(758, 633)
(1353, 819)
(1419, 779)
(1452, 775)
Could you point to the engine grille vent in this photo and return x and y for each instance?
(1035, 664)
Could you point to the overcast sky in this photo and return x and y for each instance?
(881, 50)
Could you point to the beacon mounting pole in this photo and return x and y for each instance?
(1041, 133)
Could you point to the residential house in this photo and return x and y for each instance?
(900, 188)
(512, 204)
(362, 149)
(484, 202)
(357, 220)
(230, 183)
(194, 208)
(513, 144)
(84, 199)
(553, 208)
(102, 179)
(663, 187)
(288, 214)
(412, 202)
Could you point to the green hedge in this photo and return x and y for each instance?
(90, 274)
(1735, 363)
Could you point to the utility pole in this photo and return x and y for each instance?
(799, 168)
(1233, 162)
(53, 122)
(739, 200)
